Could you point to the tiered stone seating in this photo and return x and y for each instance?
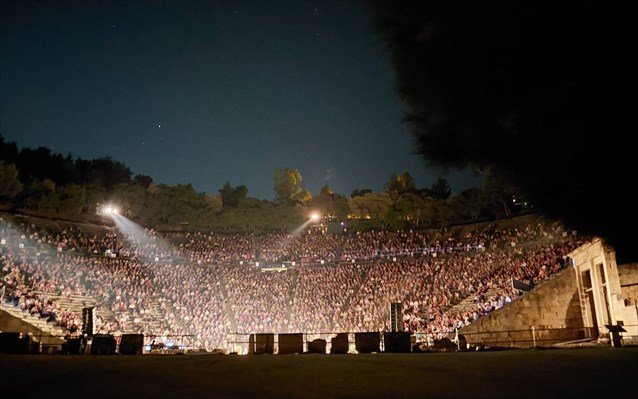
(156, 312)
(468, 304)
(47, 328)
(75, 303)
(72, 303)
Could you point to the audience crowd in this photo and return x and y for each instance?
(194, 289)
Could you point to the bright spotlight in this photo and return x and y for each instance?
(315, 216)
(109, 210)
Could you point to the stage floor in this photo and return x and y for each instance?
(533, 373)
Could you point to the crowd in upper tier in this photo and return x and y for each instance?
(211, 286)
(313, 245)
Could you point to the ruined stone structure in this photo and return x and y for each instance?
(11, 323)
(629, 283)
(575, 304)
(603, 299)
(548, 314)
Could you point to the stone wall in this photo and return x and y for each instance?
(10, 323)
(552, 309)
(628, 275)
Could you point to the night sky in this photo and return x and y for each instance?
(206, 92)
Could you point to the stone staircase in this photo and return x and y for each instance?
(227, 305)
(157, 314)
(553, 308)
(75, 303)
(468, 303)
(47, 328)
(291, 297)
(348, 300)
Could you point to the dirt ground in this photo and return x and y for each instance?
(540, 374)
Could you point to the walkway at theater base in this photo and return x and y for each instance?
(533, 374)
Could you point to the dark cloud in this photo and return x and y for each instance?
(545, 95)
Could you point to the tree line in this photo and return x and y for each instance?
(57, 185)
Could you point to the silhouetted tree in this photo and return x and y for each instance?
(359, 191)
(8, 151)
(231, 196)
(10, 186)
(540, 93)
(402, 183)
(287, 187)
(440, 189)
(143, 180)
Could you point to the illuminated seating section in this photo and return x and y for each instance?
(196, 289)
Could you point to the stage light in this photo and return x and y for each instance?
(315, 216)
(108, 210)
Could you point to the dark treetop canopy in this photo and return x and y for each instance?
(543, 94)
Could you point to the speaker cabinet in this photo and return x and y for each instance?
(261, 343)
(290, 343)
(103, 344)
(339, 344)
(317, 346)
(396, 316)
(131, 344)
(396, 342)
(88, 320)
(14, 342)
(367, 342)
(73, 346)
